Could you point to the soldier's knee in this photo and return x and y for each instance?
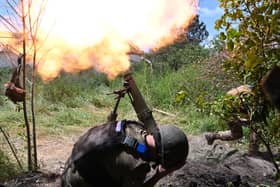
(236, 129)
(72, 178)
(237, 134)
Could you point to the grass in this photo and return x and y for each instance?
(83, 100)
(8, 168)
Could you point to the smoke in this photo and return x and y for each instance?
(77, 35)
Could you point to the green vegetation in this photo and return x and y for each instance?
(81, 100)
(7, 168)
(186, 85)
(252, 38)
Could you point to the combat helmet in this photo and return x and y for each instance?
(174, 146)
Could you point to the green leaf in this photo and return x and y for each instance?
(230, 45)
(222, 36)
(252, 60)
(253, 38)
(218, 24)
(249, 43)
(232, 33)
(181, 96)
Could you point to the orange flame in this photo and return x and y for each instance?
(77, 35)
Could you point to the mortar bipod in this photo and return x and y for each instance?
(120, 94)
(144, 114)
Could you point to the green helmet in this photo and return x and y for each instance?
(174, 145)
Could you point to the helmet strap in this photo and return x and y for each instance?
(156, 134)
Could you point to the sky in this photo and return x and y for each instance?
(209, 12)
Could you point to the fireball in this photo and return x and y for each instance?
(72, 36)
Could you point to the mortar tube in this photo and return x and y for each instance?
(144, 114)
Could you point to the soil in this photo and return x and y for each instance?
(216, 165)
(220, 165)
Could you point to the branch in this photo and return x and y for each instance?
(163, 112)
(13, 8)
(11, 147)
(6, 22)
(267, 145)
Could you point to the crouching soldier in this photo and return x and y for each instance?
(235, 121)
(124, 154)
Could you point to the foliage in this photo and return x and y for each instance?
(252, 37)
(209, 82)
(217, 45)
(81, 100)
(197, 32)
(5, 75)
(161, 90)
(70, 89)
(174, 56)
(186, 49)
(194, 88)
(7, 168)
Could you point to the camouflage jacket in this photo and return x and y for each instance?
(99, 159)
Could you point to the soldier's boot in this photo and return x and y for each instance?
(253, 145)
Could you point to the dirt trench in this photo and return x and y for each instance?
(216, 165)
(220, 165)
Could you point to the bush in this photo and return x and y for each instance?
(5, 75)
(8, 169)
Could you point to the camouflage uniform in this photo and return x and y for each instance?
(235, 124)
(99, 159)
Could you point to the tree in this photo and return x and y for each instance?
(197, 32)
(18, 20)
(186, 49)
(252, 36)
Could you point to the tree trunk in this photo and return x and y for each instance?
(27, 127)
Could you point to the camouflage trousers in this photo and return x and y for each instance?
(72, 178)
(235, 132)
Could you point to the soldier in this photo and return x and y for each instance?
(271, 87)
(235, 123)
(124, 154)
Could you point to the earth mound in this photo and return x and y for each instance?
(218, 165)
